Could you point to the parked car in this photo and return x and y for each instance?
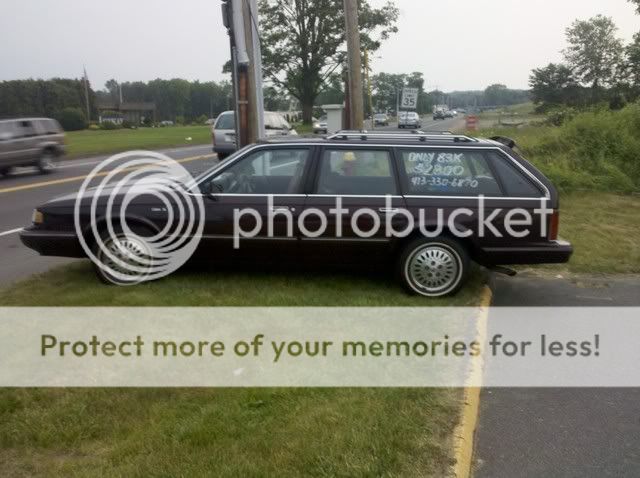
(35, 142)
(409, 119)
(320, 126)
(166, 123)
(223, 133)
(380, 119)
(380, 172)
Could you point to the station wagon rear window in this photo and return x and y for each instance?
(448, 173)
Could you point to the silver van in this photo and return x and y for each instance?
(35, 142)
(223, 132)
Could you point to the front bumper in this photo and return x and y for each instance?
(52, 243)
(552, 252)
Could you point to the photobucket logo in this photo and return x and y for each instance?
(137, 218)
(397, 222)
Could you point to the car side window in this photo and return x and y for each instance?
(270, 171)
(515, 182)
(356, 172)
(448, 173)
(26, 129)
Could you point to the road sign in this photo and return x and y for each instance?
(409, 98)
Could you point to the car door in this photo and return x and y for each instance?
(25, 142)
(355, 188)
(252, 205)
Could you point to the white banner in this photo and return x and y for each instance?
(323, 347)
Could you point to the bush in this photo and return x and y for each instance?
(109, 125)
(72, 119)
(94, 127)
(594, 150)
(127, 124)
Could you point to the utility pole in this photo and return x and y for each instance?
(86, 92)
(241, 19)
(367, 79)
(355, 67)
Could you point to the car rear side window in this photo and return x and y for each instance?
(515, 182)
(448, 173)
(226, 121)
(356, 172)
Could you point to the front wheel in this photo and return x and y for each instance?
(433, 267)
(47, 162)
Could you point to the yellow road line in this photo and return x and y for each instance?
(80, 178)
(464, 432)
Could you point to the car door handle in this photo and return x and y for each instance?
(277, 209)
(388, 210)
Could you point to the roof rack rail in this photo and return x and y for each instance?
(422, 136)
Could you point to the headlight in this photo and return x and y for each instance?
(37, 217)
(316, 125)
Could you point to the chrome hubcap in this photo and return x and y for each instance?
(433, 268)
(127, 256)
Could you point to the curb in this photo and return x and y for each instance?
(464, 431)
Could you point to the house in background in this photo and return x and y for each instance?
(134, 113)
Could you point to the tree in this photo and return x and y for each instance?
(552, 85)
(71, 119)
(633, 60)
(637, 4)
(594, 53)
(303, 42)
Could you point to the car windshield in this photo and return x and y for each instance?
(380, 116)
(226, 121)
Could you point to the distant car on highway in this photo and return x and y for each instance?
(380, 119)
(409, 119)
(439, 114)
(35, 142)
(210, 121)
(320, 126)
(223, 134)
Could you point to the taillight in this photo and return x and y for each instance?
(554, 226)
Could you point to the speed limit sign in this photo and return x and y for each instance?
(409, 98)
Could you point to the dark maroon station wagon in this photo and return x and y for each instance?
(428, 204)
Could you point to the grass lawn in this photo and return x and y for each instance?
(225, 432)
(604, 230)
(85, 143)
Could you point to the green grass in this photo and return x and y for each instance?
(86, 143)
(593, 150)
(224, 432)
(604, 230)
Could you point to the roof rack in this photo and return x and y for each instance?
(416, 134)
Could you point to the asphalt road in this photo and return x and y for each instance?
(543, 432)
(428, 125)
(25, 189)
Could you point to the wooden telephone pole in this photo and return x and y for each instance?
(355, 66)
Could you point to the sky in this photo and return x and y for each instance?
(457, 44)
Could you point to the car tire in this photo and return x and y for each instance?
(5, 172)
(47, 162)
(131, 244)
(222, 156)
(433, 267)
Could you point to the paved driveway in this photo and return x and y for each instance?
(560, 432)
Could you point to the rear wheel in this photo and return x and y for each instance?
(433, 267)
(5, 171)
(222, 156)
(47, 162)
